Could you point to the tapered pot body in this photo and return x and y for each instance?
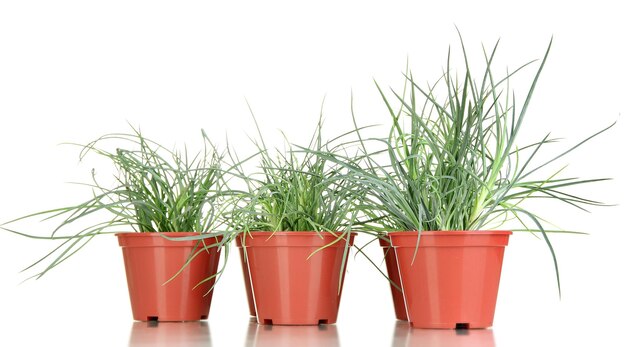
(451, 278)
(296, 277)
(152, 260)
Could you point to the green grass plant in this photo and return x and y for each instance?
(155, 190)
(296, 190)
(451, 160)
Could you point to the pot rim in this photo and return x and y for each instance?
(272, 239)
(481, 238)
(158, 233)
(450, 232)
(157, 239)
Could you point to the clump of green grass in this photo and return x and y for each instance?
(155, 190)
(451, 160)
(296, 190)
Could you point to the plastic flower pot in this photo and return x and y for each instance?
(290, 284)
(246, 279)
(152, 260)
(452, 281)
(394, 276)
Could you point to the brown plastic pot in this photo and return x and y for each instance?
(246, 278)
(151, 260)
(394, 275)
(290, 285)
(452, 281)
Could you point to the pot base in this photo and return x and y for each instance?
(452, 326)
(297, 323)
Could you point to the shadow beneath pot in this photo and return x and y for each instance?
(405, 336)
(295, 335)
(170, 334)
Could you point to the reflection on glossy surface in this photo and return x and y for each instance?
(405, 336)
(170, 334)
(296, 335)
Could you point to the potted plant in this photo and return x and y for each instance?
(294, 232)
(162, 195)
(452, 176)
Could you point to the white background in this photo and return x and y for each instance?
(74, 70)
